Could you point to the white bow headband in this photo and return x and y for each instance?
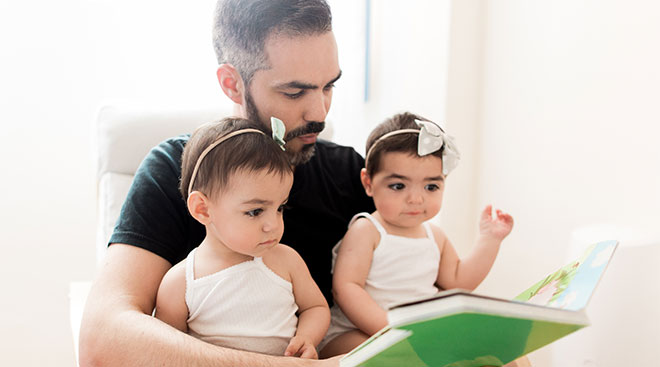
(431, 139)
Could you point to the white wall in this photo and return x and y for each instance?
(568, 125)
(407, 67)
(60, 61)
(569, 117)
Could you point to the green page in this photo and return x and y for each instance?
(469, 340)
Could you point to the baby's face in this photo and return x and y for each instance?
(408, 189)
(246, 218)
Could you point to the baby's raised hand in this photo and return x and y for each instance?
(299, 347)
(497, 227)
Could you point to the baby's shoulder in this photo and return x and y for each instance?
(438, 234)
(282, 252)
(174, 279)
(283, 259)
(363, 225)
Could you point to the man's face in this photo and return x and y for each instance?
(297, 88)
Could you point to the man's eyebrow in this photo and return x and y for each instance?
(333, 81)
(301, 85)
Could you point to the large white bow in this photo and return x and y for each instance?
(431, 139)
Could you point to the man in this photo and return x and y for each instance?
(277, 58)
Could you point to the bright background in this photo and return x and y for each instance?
(553, 104)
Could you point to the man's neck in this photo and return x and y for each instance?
(239, 111)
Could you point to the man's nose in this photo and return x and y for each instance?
(317, 110)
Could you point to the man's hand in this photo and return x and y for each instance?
(299, 347)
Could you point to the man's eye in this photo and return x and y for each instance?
(397, 186)
(432, 187)
(281, 208)
(254, 212)
(329, 87)
(295, 95)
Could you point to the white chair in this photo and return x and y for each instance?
(123, 136)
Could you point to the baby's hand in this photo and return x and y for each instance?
(498, 227)
(299, 347)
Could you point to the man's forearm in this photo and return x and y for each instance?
(118, 330)
(131, 338)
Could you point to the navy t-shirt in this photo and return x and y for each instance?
(326, 193)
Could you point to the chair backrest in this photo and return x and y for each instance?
(124, 135)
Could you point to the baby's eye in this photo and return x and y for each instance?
(397, 186)
(432, 187)
(254, 212)
(281, 208)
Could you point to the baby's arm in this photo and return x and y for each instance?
(350, 274)
(170, 300)
(471, 271)
(313, 311)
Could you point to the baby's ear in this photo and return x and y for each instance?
(366, 181)
(198, 207)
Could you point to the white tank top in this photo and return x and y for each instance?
(402, 268)
(246, 306)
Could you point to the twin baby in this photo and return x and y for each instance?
(242, 289)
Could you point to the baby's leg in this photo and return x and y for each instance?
(343, 343)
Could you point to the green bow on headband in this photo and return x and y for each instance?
(278, 131)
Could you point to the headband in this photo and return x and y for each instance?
(431, 139)
(278, 135)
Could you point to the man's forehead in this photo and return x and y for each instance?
(309, 59)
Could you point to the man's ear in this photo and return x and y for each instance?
(366, 182)
(231, 82)
(198, 207)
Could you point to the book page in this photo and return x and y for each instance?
(571, 286)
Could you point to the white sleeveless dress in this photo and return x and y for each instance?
(402, 269)
(246, 306)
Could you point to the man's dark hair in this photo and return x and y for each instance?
(241, 28)
(406, 143)
(249, 152)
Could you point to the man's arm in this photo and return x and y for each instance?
(118, 329)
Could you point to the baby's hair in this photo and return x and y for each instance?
(406, 143)
(250, 152)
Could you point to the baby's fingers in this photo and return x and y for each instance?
(504, 217)
(293, 347)
(486, 214)
(309, 352)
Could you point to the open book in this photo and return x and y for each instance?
(457, 328)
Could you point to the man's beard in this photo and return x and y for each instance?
(307, 151)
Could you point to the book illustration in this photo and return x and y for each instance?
(457, 328)
(571, 286)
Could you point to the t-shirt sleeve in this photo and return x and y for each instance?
(363, 203)
(351, 163)
(154, 216)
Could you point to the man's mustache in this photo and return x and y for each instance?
(309, 128)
